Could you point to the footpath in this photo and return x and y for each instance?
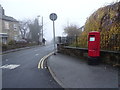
(71, 72)
(18, 49)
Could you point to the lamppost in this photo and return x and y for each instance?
(39, 31)
(40, 38)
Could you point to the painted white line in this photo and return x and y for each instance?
(36, 54)
(6, 60)
(36, 50)
(11, 66)
(41, 62)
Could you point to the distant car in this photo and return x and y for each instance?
(21, 41)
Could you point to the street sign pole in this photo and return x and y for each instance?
(54, 36)
(53, 17)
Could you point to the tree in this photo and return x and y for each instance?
(35, 30)
(23, 25)
(30, 30)
(72, 30)
(106, 20)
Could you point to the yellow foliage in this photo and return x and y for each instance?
(106, 20)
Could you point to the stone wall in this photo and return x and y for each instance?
(109, 57)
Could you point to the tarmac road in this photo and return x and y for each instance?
(20, 69)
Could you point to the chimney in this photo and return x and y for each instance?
(2, 11)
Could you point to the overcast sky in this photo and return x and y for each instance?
(68, 12)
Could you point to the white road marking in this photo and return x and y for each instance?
(6, 60)
(36, 50)
(11, 66)
(36, 54)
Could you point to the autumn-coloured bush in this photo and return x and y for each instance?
(106, 20)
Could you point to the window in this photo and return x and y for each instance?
(15, 37)
(15, 26)
(7, 25)
(92, 38)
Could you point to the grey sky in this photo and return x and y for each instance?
(68, 11)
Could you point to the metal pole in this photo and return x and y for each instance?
(42, 27)
(54, 36)
(39, 31)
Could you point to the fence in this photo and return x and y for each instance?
(110, 42)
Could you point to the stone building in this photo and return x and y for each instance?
(9, 28)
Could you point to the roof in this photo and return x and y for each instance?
(8, 18)
(4, 17)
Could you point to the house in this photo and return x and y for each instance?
(9, 28)
(82, 28)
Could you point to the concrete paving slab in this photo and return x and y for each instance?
(76, 73)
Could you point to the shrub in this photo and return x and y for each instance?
(12, 42)
(4, 47)
(106, 20)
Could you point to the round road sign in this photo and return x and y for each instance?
(53, 16)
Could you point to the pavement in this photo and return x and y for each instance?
(18, 49)
(71, 72)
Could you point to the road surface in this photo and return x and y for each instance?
(20, 69)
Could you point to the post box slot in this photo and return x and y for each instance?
(92, 39)
(92, 35)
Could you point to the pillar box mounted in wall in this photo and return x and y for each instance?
(93, 47)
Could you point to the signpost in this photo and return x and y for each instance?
(53, 17)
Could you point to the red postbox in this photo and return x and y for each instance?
(93, 46)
